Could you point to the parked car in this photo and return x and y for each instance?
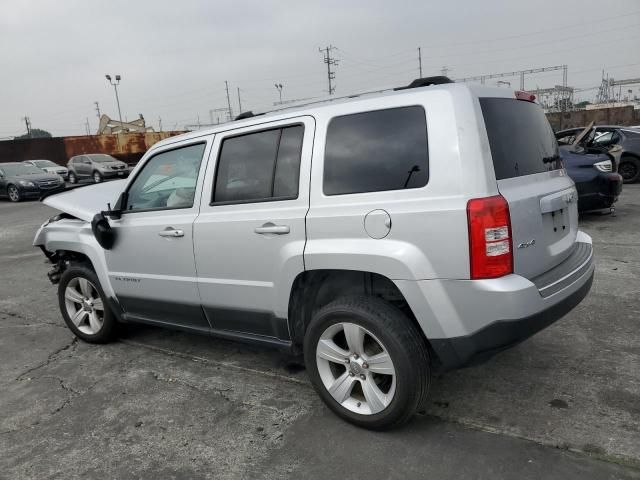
(434, 228)
(597, 185)
(606, 135)
(49, 167)
(19, 181)
(96, 166)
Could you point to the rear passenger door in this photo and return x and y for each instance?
(249, 237)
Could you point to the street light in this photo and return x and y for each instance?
(115, 87)
(279, 88)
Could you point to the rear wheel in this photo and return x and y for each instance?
(367, 361)
(13, 193)
(73, 178)
(97, 177)
(84, 306)
(629, 169)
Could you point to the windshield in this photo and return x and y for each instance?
(44, 163)
(102, 158)
(520, 137)
(19, 169)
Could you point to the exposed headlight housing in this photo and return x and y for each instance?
(26, 183)
(604, 166)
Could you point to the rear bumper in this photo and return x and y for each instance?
(503, 334)
(468, 321)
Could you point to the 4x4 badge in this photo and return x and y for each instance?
(528, 244)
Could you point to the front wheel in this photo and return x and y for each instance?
(367, 361)
(629, 169)
(84, 306)
(14, 193)
(73, 178)
(97, 177)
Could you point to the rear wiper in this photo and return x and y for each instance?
(551, 159)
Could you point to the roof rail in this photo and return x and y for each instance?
(426, 81)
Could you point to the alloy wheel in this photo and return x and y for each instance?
(14, 195)
(97, 177)
(84, 305)
(356, 368)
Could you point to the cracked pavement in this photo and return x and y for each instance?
(165, 404)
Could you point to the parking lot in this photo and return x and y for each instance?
(163, 404)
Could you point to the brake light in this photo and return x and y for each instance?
(490, 249)
(526, 96)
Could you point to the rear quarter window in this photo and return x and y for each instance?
(520, 137)
(376, 151)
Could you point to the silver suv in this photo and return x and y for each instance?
(386, 237)
(97, 167)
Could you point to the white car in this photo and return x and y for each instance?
(385, 236)
(49, 167)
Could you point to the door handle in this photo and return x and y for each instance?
(273, 229)
(171, 232)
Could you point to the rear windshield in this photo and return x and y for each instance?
(520, 137)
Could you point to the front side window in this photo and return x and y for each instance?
(376, 151)
(259, 166)
(168, 180)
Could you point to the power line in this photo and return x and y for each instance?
(331, 75)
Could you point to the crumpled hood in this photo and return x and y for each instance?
(85, 202)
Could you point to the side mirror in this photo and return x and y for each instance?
(103, 232)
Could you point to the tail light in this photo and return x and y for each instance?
(490, 249)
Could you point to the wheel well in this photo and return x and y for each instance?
(629, 155)
(316, 288)
(62, 259)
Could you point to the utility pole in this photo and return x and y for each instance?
(160, 123)
(331, 75)
(27, 122)
(97, 109)
(86, 124)
(279, 88)
(226, 85)
(239, 104)
(444, 71)
(420, 61)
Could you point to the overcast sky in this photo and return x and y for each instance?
(175, 56)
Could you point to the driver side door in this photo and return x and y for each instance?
(151, 266)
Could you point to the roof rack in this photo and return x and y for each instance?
(418, 82)
(427, 81)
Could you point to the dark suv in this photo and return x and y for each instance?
(96, 166)
(606, 136)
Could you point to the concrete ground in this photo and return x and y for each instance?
(159, 404)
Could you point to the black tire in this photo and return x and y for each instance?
(73, 178)
(629, 169)
(97, 177)
(404, 344)
(13, 193)
(109, 323)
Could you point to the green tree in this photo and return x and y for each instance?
(35, 133)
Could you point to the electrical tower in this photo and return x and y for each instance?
(97, 109)
(331, 75)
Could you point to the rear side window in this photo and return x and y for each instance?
(259, 166)
(520, 137)
(376, 151)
